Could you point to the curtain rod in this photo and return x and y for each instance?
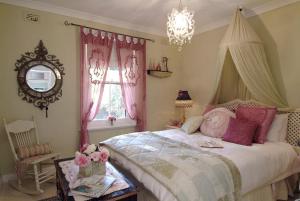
(67, 23)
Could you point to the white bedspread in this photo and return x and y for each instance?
(258, 164)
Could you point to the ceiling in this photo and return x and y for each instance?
(151, 15)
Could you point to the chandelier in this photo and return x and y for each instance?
(180, 26)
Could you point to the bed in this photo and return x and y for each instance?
(248, 173)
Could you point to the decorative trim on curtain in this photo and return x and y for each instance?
(131, 53)
(95, 51)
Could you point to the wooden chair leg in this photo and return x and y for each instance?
(36, 177)
(19, 181)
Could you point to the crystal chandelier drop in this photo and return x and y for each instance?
(180, 26)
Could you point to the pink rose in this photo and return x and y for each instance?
(104, 154)
(95, 156)
(82, 160)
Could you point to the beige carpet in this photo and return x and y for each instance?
(7, 193)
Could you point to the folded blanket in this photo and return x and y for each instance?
(189, 174)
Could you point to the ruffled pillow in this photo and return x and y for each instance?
(192, 124)
(240, 131)
(263, 116)
(215, 122)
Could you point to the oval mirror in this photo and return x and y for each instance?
(40, 78)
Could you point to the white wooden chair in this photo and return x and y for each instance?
(22, 133)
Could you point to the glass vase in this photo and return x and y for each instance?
(85, 171)
(98, 168)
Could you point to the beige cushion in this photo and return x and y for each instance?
(192, 124)
(278, 129)
(34, 150)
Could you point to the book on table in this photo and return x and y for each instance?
(210, 144)
(94, 186)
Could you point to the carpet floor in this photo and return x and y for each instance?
(51, 199)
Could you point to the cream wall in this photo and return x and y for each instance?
(62, 126)
(280, 31)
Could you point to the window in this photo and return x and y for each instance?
(112, 103)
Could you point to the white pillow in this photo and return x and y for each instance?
(192, 124)
(278, 129)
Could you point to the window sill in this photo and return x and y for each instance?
(105, 124)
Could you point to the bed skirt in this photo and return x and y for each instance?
(276, 191)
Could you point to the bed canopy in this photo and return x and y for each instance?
(243, 70)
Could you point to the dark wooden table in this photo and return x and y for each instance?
(128, 194)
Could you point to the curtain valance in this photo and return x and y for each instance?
(106, 38)
(130, 42)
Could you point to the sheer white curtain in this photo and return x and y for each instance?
(252, 75)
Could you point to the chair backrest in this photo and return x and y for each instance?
(21, 133)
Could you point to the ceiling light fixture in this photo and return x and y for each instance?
(180, 26)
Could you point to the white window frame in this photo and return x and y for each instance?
(103, 124)
(106, 125)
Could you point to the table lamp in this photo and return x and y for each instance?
(183, 101)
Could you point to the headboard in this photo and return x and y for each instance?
(293, 135)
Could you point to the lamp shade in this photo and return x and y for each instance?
(183, 99)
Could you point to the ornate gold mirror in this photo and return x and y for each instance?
(40, 77)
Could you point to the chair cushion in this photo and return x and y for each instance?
(216, 122)
(263, 116)
(33, 150)
(240, 131)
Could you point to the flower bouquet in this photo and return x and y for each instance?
(91, 160)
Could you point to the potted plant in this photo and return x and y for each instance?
(91, 160)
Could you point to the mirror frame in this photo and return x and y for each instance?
(29, 60)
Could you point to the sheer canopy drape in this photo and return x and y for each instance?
(243, 70)
(131, 53)
(95, 51)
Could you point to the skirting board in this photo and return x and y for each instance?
(7, 177)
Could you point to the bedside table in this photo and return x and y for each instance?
(62, 185)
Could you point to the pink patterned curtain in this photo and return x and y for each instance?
(95, 51)
(131, 53)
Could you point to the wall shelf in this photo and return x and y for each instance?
(159, 73)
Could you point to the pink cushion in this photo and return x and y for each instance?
(216, 122)
(240, 131)
(262, 116)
